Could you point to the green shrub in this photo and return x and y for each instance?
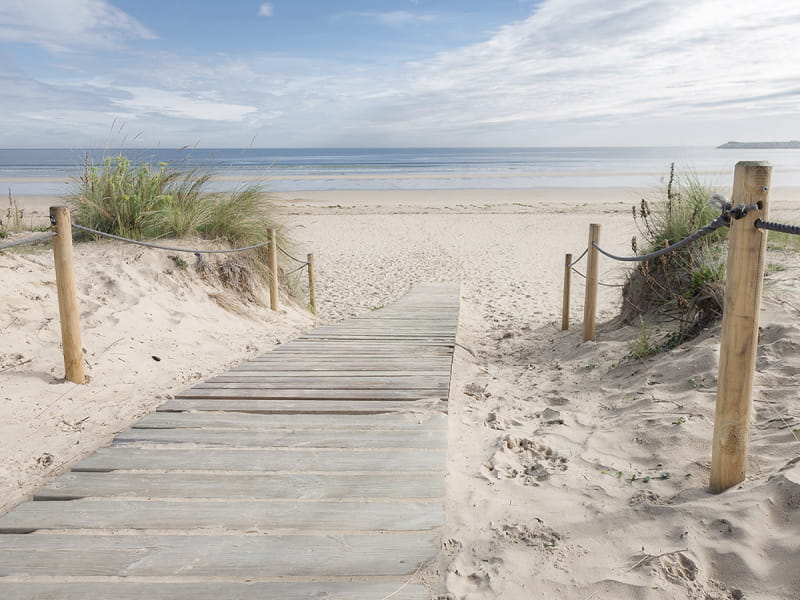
(684, 287)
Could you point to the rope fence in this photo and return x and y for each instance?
(31, 240)
(611, 285)
(67, 290)
(168, 248)
(779, 227)
(746, 216)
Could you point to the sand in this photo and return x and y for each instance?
(572, 473)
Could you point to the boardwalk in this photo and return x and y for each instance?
(314, 471)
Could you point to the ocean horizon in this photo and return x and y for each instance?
(51, 171)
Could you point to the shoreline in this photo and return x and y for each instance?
(785, 201)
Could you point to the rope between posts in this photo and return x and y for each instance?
(300, 268)
(30, 240)
(721, 221)
(614, 285)
(169, 248)
(577, 260)
(779, 227)
(285, 253)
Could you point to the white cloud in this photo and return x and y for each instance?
(601, 60)
(396, 18)
(175, 104)
(574, 72)
(265, 10)
(67, 24)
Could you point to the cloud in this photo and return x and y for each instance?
(599, 61)
(182, 105)
(395, 18)
(265, 10)
(67, 24)
(648, 72)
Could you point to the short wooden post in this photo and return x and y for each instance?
(739, 339)
(565, 303)
(590, 301)
(273, 269)
(67, 295)
(312, 296)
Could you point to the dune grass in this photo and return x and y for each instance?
(682, 290)
(146, 202)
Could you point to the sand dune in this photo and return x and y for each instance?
(572, 473)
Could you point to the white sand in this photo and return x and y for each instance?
(551, 443)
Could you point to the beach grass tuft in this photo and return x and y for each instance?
(684, 289)
(146, 202)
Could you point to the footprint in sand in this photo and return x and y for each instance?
(524, 460)
(678, 568)
(539, 536)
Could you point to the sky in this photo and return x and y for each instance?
(397, 73)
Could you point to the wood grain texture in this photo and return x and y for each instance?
(321, 461)
(118, 458)
(213, 555)
(295, 486)
(112, 589)
(242, 516)
(747, 247)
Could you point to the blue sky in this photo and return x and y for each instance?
(79, 73)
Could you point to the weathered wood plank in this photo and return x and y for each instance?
(308, 382)
(238, 421)
(218, 459)
(392, 485)
(327, 364)
(335, 374)
(114, 589)
(343, 394)
(300, 438)
(366, 343)
(331, 467)
(243, 516)
(220, 556)
(302, 407)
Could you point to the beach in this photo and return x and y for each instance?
(573, 472)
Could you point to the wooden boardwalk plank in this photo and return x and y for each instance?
(333, 374)
(243, 516)
(265, 394)
(217, 459)
(219, 556)
(114, 589)
(302, 407)
(226, 420)
(303, 438)
(386, 485)
(330, 383)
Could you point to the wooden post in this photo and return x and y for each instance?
(739, 339)
(67, 296)
(312, 296)
(590, 301)
(565, 303)
(273, 269)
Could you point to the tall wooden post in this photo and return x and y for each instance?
(312, 296)
(67, 295)
(565, 303)
(590, 301)
(273, 269)
(739, 339)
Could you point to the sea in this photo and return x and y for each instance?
(27, 172)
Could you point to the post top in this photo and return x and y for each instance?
(754, 163)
